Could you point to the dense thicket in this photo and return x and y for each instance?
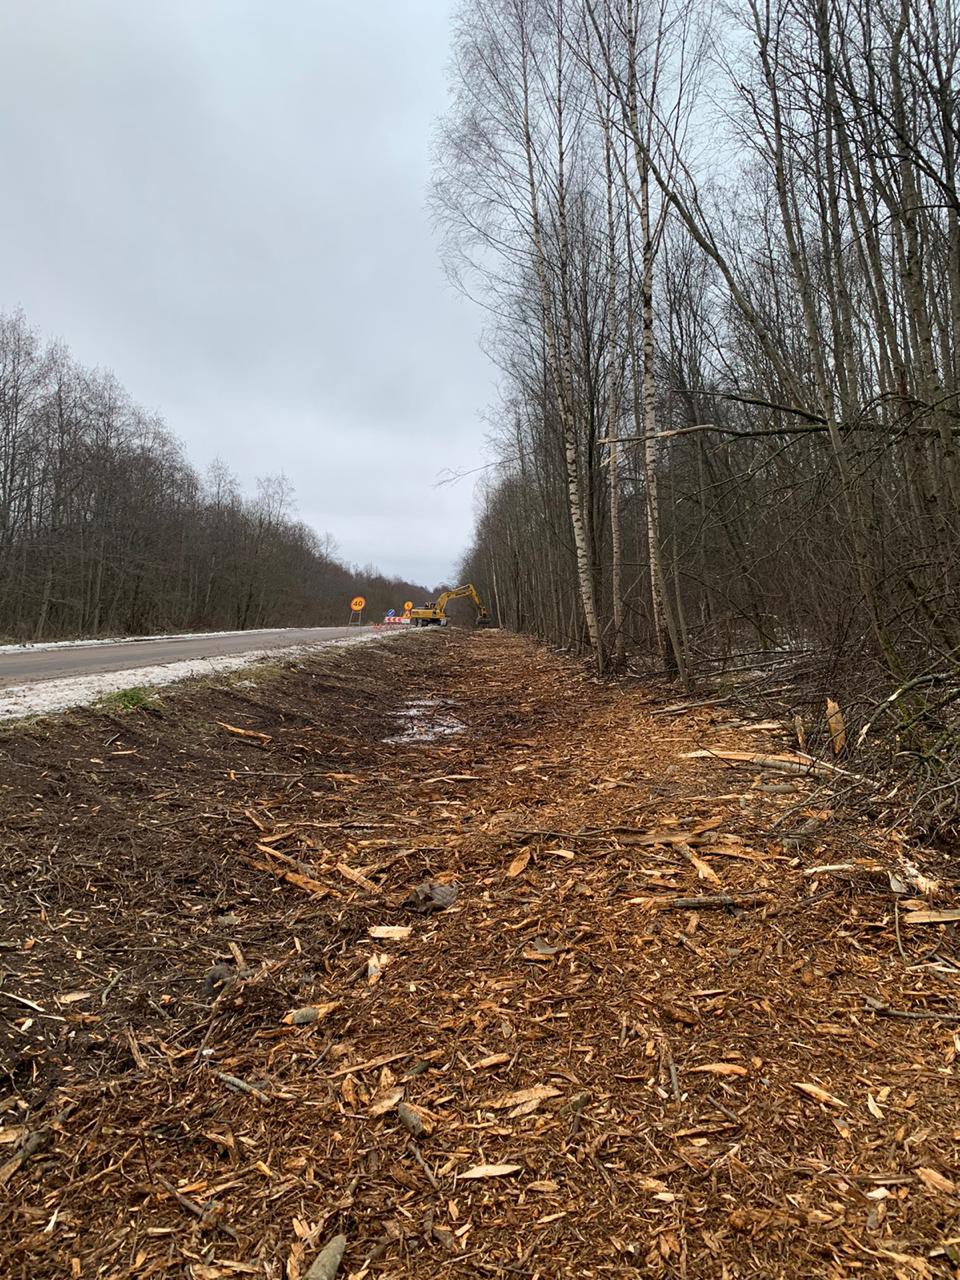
(105, 528)
(723, 261)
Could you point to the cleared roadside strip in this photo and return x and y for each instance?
(48, 697)
(42, 646)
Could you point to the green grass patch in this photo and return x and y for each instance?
(126, 699)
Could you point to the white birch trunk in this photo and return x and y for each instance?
(563, 393)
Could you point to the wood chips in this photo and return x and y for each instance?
(229, 1050)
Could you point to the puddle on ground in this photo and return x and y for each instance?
(424, 720)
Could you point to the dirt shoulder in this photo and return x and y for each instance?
(567, 1072)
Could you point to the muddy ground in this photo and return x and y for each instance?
(211, 1063)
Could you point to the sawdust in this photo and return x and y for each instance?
(227, 1042)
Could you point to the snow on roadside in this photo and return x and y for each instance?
(29, 646)
(47, 697)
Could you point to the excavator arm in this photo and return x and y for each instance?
(458, 593)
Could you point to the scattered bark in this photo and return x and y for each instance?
(475, 1097)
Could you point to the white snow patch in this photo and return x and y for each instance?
(423, 720)
(47, 697)
(36, 647)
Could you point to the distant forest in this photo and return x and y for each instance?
(106, 528)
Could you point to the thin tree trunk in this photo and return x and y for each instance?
(562, 390)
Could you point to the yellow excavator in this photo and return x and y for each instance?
(434, 612)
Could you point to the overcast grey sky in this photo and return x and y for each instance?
(224, 202)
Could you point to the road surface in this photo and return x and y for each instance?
(27, 666)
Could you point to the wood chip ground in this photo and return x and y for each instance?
(225, 1042)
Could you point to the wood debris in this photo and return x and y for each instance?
(327, 1262)
(625, 1032)
(490, 1171)
(431, 896)
(931, 917)
(819, 1095)
(245, 733)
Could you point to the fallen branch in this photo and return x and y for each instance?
(245, 733)
(678, 708)
(423, 1165)
(705, 901)
(109, 987)
(831, 867)
(241, 1086)
(292, 877)
(700, 833)
(207, 1215)
(928, 1015)
(799, 763)
(300, 867)
(356, 878)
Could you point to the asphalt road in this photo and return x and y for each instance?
(26, 666)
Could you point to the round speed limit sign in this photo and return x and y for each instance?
(407, 606)
(357, 603)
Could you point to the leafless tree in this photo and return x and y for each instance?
(747, 257)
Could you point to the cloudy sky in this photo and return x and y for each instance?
(224, 202)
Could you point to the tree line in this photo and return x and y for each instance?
(106, 528)
(721, 255)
